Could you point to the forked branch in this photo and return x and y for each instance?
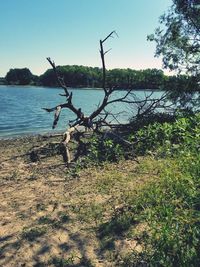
(98, 116)
(82, 119)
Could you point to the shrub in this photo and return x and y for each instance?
(167, 139)
(104, 150)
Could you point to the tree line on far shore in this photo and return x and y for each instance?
(82, 76)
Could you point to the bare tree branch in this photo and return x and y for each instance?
(99, 116)
(59, 79)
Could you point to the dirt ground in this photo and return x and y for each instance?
(49, 215)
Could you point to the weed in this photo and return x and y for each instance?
(63, 262)
(117, 225)
(33, 177)
(40, 207)
(112, 181)
(33, 233)
(101, 150)
(93, 212)
(45, 220)
(55, 223)
(107, 243)
(63, 217)
(13, 177)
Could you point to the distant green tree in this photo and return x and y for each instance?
(74, 76)
(48, 78)
(152, 78)
(82, 76)
(19, 76)
(2, 81)
(137, 79)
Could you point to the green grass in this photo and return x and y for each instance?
(169, 205)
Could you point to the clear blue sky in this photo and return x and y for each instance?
(69, 31)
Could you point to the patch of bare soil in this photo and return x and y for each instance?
(49, 216)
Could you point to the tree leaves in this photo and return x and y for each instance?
(178, 41)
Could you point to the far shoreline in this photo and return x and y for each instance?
(79, 88)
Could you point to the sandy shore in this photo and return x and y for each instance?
(50, 215)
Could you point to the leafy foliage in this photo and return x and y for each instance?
(179, 40)
(104, 150)
(169, 138)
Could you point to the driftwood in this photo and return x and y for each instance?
(65, 142)
(98, 117)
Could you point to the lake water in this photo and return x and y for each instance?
(21, 108)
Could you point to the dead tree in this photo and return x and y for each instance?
(99, 116)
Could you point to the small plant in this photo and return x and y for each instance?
(40, 207)
(33, 233)
(64, 262)
(107, 243)
(93, 212)
(63, 217)
(96, 212)
(14, 176)
(117, 225)
(32, 177)
(45, 220)
(55, 223)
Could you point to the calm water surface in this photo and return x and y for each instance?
(21, 108)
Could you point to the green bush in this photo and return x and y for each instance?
(104, 150)
(167, 139)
